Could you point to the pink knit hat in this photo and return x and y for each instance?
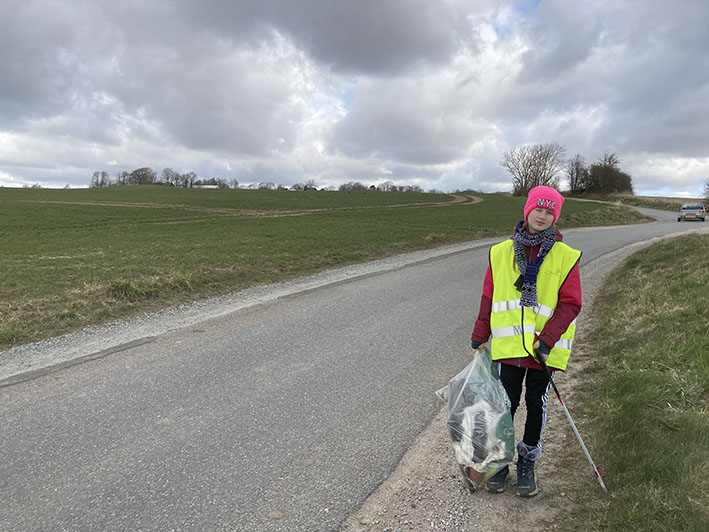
(545, 197)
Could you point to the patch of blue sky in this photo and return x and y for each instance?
(348, 99)
(670, 192)
(521, 9)
(525, 7)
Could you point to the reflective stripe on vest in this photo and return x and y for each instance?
(515, 304)
(512, 326)
(516, 330)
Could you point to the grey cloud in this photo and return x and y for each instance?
(221, 103)
(371, 36)
(364, 36)
(412, 121)
(645, 64)
(560, 40)
(31, 80)
(677, 129)
(144, 63)
(170, 64)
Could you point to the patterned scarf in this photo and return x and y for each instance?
(527, 282)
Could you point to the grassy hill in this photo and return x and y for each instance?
(663, 204)
(73, 258)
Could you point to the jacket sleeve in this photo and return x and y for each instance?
(567, 308)
(481, 329)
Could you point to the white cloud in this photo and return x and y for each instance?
(337, 91)
(6, 180)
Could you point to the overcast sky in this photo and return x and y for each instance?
(416, 92)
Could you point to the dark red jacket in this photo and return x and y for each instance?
(567, 308)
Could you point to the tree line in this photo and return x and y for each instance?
(387, 186)
(530, 166)
(148, 176)
(540, 164)
(169, 177)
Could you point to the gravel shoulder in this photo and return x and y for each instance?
(32, 360)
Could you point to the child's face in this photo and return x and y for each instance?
(539, 219)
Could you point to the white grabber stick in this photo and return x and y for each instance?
(596, 470)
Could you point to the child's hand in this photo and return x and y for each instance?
(477, 347)
(539, 350)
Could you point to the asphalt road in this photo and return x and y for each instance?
(281, 416)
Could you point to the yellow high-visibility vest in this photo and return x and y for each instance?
(513, 326)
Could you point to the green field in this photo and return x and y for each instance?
(647, 393)
(73, 258)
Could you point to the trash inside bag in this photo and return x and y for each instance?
(479, 420)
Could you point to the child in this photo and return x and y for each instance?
(531, 297)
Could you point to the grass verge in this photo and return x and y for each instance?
(662, 204)
(647, 396)
(73, 258)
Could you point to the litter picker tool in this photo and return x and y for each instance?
(596, 470)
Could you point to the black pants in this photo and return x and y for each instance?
(536, 394)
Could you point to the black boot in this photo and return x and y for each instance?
(526, 485)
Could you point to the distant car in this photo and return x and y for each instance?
(691, 211)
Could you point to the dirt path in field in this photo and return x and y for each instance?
(226, 212)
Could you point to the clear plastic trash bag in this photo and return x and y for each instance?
(479, 419)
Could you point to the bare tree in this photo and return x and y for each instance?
(100, 180)
(122, 178)
(188, 179)
(533, 165)
(706, 189)
(610, 160)
(577, 172)
(170, 177)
